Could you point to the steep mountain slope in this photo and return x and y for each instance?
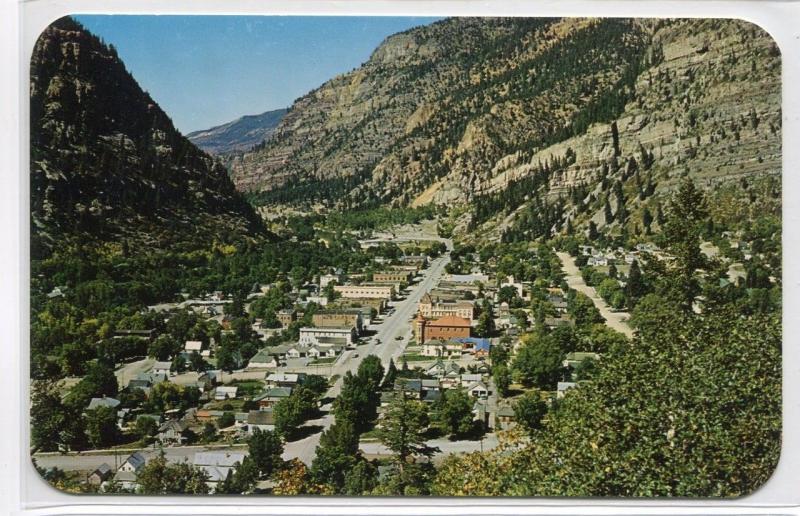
(239, 135)
(107, 165)
(461, 110)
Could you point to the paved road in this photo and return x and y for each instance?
(615, 320)
(89, 461)
(446, 446)
(395, 324)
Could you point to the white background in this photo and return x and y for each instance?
(21, 489)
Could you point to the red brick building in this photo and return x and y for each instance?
(444, 328)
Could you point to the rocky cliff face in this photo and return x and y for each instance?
(241, 134)
(106, 162)
(460, 109)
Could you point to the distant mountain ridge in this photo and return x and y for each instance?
(108, 165)
(241, 134)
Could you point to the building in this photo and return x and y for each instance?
(505, 418)
(225, 392)
(310, 336)
(173, 431)
(478, 390)
(431, 308)
(563, 387)
(365, 291)
(398, 276)
(96, 403)
(260, 419)
(286, 317)
(100, 475)
(127, 472)
(444, 328)
(217, 465)
(342, 318)
(162, 368)
(193, 346)
(272, 396)
(264, 359)
(285, 379)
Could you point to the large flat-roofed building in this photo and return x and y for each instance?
(432, 307)
(342, 318)
(392, 277)
(378, 303)
(444, 328)
(365, 291)
(327, 336)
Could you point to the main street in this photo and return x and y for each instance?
(396, 324)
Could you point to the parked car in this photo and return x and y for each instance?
(399, 337)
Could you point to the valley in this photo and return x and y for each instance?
(503, 257)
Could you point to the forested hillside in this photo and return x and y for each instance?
(107, 164)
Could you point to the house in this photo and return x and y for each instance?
(217, 465)
(225, 392)
(162, 368)
(468, 379)
(127, 472)
(412, 388)
(100, 475)
(261, 419)
(193, 346)
(324, 351)
(563, 387)
(143, 384)
(296, 351)
(96, 403)
(272, 396)
(440, 369)
(173, 431)
(285, 379)
(478, 390)
(434, 348)
(505, 417)
(480, 412)
(444, 328)
(264, 359)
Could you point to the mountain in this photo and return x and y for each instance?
(239, 135)
(494, 114)
(107, 164)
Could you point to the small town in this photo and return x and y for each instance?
(517, 257)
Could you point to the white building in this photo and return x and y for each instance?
(217, 464)
(310, 336)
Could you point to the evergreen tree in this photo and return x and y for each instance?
(265, 449)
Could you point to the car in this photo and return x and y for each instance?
(355, 355)
(399, 337)
(377, 341)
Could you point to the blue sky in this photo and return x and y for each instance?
(208, 70)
